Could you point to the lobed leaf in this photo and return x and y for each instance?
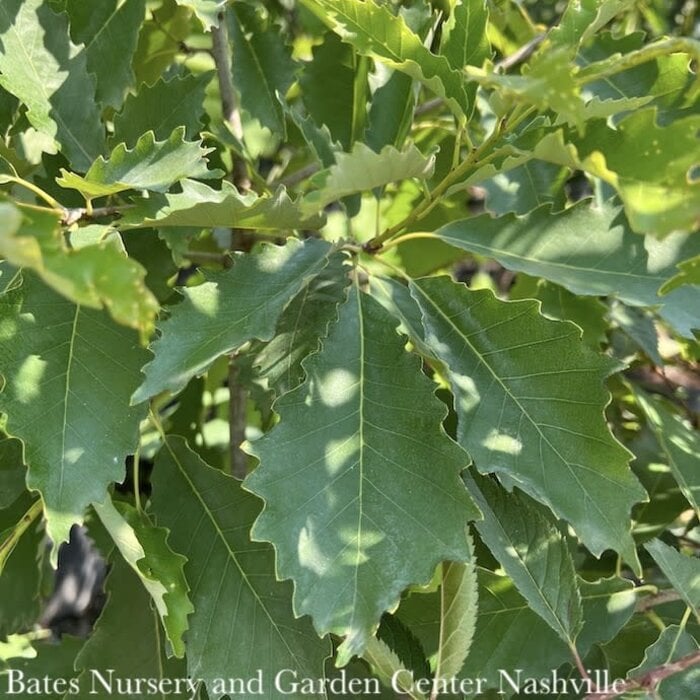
(95, 275)
(267, 635)
(364, 532)
(69, 370)
(146, 550)
(150, 165)
(199, 206)
(530, 400)
(374, 31)
(589, 250)
(682, 571)
(49, 74)
(206, 324)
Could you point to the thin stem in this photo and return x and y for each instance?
(36, 190)
(137, 483)
(619, 64)
(406, 237)
(660, 598)
(9, 543)
(655, 620)
(579, 664)
(476, 158)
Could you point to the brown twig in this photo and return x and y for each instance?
(650, 680)
(73, 215)
(659, 598)
(238, 396)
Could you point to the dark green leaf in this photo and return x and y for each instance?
(260, 631)
(530, 399)
(204, 326)
(356, 541)
(682, 571)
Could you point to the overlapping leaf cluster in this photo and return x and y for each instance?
(355, 333)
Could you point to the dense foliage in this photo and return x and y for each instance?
(357, 334)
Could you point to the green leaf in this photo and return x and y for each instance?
(318, 139)
(109, 31)
(663, 82)
(363, 534)
(262, 67)
(526, 187)
(588, 313)
(533, 553)
(12, 472)
(374, 31)
(52, 660)
(363, 170)
(459, 592)
(49, 74)
(301, 327)
(71, 371)
(126, 640)
(673, 644)
(199, 205)
(204, 326)
(582, 19)
(12, 534)
(589, 250)
(150, 165)
(608, 605)
(404, 643)
(207, 11)
(230, 568)
(161, 108)
(327, 85)
(95, 276)
(683, 572)
(146, 550)
(680, 443)
(689, 274)
(388, 668)
(639, 327)
(465, 42)
(650, 166)
(391, 112)
(530, 400)
(509, 633)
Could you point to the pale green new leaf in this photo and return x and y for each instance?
(363, 170)
(459, 595)
(386, 504)
(301, 327)
(262, 67)
(161, 108)
(207, 11)
(583, 18)
(530, 399)
(243, 619)
(589, 250)
(650, 166)
(109, 30)
(49, 74)
(533, 553)
(374, 31)
(126, 639)
(146, 550)
(150, 165)
(198, 205)
(208, 323)
(69, 371)
(683, 572)
(97, 275)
